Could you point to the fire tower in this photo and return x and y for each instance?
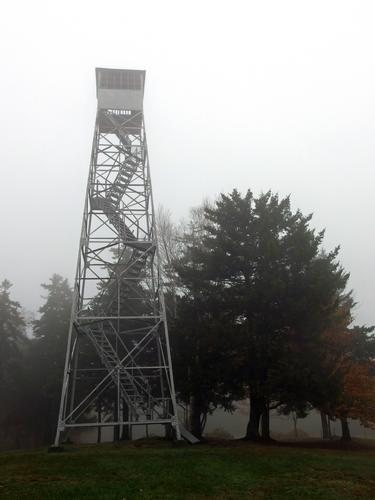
(118, 351)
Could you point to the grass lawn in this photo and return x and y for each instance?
(145, 470)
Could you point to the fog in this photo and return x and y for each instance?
(247, 94)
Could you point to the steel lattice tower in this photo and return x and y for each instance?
(118, 348)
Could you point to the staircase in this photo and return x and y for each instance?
(134, 390)
(128, 168)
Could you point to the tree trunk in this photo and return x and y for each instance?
(168, 429)
(99, 411)
(329, 428)
(345, 430)
(256, 410)
(266, 424)
(195, 417)
(295, 420)
(116, 428)
(125, 435)
(325, 430)
(203, 421)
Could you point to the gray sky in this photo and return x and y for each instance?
(259, 94)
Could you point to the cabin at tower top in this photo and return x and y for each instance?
(120, 89)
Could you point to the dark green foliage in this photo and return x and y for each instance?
(13, 376)
(262, 275)
(12, 328)
(47, 356)
(204, 347)
(362, 343)
(204, 356)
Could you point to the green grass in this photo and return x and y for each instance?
(161, 471)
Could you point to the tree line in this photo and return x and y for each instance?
(257, 310)
(31, 366)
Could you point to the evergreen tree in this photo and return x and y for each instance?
(48, 355)
(263, 264)
(348, 358)
(201, 336)
(204, 360)
(12, 327)
(13, 344)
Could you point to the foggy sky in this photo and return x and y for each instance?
(246, 94)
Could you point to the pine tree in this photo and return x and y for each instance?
(48, 354)
(12, 327)
(203, 349)
(262, 264)
(13, 344)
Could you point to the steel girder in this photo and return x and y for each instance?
(118, 350)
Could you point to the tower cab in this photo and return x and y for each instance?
(120, 100)
(120, 89)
